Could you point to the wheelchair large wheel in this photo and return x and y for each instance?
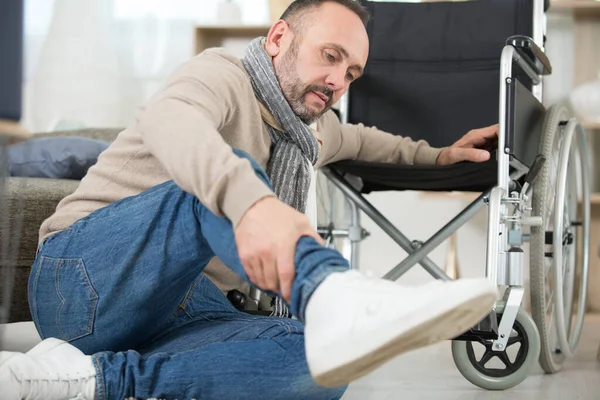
(499, 370)
(559, 272)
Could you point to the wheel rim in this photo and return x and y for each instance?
(541, 267)
(570, 233)
(518, 336)
(583, 234)
(524, 331)
(548, 263)
(560, 243)
(560, 269)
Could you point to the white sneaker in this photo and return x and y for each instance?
(52, 370)
(354, 324)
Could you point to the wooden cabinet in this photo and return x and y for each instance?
(217, 36)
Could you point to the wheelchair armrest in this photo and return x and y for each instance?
(532, 53)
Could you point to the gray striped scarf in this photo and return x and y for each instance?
(287, 168)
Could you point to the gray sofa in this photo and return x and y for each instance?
(34, 200)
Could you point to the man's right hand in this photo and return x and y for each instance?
(266, 239)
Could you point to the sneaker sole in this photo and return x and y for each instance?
(447, 324)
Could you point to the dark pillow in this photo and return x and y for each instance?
(57, 157)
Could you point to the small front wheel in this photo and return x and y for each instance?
(500, 370)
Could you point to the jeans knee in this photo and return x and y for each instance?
(258, 169)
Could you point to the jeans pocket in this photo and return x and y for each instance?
(64, 301)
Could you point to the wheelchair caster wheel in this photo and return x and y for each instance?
(499, 370)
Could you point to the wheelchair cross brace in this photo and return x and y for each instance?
(417, 251)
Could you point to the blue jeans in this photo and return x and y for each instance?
(125, 285)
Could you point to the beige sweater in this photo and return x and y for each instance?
(185, 132)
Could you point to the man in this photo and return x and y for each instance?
(118, 292)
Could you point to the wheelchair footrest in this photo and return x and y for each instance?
(473, 335)
(486, 329)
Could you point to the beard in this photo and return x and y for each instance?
(295, 91)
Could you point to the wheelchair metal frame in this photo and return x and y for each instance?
(503, 267)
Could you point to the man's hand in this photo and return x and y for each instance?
(266, 238)
(469, 147)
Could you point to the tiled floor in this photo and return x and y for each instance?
(430, 374)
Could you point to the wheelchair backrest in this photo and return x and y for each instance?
(433, 68)
(11, 64)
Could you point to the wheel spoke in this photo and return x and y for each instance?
(504, 358)
(551, 315)
(551, 201)
(514, 339)
(487, 356)
(547, 267)
(550, 299)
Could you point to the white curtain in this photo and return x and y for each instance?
(93, 62)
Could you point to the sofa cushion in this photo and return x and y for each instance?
(55, 157)
(105, 134)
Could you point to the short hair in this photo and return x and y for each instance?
(297, 7)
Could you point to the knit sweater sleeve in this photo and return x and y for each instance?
(180, 126)
(358, 142)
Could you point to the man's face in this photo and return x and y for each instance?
(316, 66)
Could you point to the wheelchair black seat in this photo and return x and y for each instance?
(464, 176)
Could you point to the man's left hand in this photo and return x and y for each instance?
(469, 147)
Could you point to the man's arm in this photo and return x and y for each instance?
(357, 142)
(180, 126)
(379, 146)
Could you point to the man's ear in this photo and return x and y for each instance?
(275, 37)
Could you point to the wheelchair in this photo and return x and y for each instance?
(435, 71)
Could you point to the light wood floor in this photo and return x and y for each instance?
(430, 374)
